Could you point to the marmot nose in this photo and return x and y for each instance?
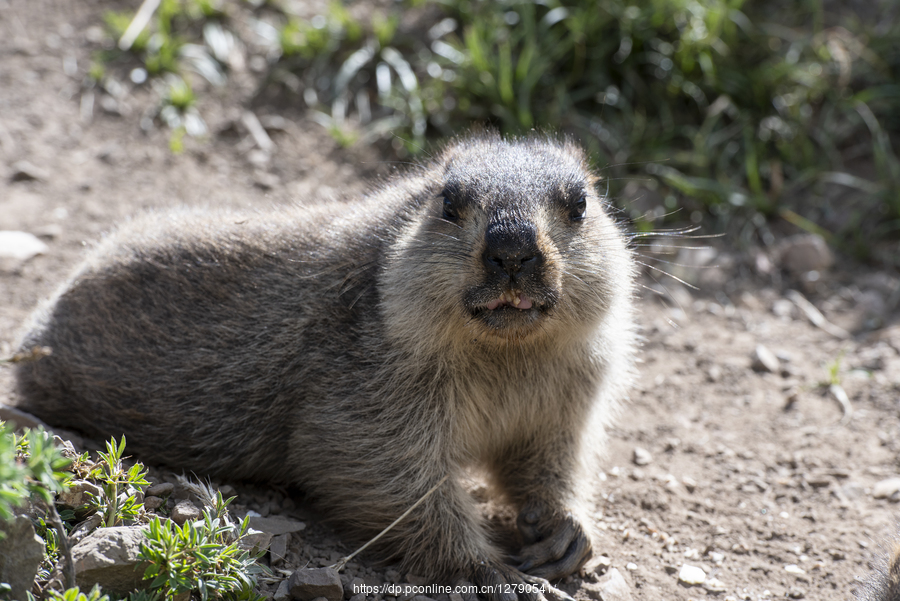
(511, 252)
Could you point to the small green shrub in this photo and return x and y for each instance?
(30, 467)
(75, 594)
(204, 556)
(120, 486)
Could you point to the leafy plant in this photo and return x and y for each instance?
(120, 486)
(52, 552)
(30, 467)
(834, 371)
(202, 556)
(75, 594)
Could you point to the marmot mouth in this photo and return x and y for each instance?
(509, 310)
(509, 299)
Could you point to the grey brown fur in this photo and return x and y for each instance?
(883, 584)
(364, 349)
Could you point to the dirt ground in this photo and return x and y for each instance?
(761, 479)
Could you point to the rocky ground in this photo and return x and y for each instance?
(759, 447)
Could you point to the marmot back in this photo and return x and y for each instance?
(473, 311)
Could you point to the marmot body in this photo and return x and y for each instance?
(474, 311)
(883, 584)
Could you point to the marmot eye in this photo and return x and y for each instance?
(449, 212)
(579, 209)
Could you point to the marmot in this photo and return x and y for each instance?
(475, 310)
(883, 584)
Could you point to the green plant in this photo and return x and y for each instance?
(52, 552)
(145, 595)
(75, 594)
(180, 95)
(202, 556)
(30, 467)
(834, 371)
(120, 486)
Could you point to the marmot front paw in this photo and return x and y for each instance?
(556, 544)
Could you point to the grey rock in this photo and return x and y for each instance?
(352, 586)
(610, 587)
(276, 525)
(265, 180)
(714, 585)
(23, 171)
(641, 456)
(185, 511)
(160, 490)
(806, 252)
(311, 583)
(20, 246)
(51, 231)
(20, 418)
(284, 591)
(109, 557)
(21, 552)
(765, 360)
(886, 488)
(151, 503)
(691, 575)
(85, 528)
(278, 548)
(783, 308)
(79, 493)
(256, 540)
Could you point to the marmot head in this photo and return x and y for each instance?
(512, 244)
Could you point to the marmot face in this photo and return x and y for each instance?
(516, 232)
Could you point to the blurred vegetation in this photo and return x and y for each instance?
(747, 112)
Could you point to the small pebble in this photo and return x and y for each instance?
(714, 585)
(612, 587)
(765, 360)
(689, 483)
(151, 503)
(78, 493)
(308, 584)
(23, 171)
(806, 252)
(886, 488)
(783, 308)
(185, 511)
(641, 456)
(284, 591)
(20, 245)
(160, 490)
(691, 574)
(793, 568)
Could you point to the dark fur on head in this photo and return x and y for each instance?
(473, 311)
